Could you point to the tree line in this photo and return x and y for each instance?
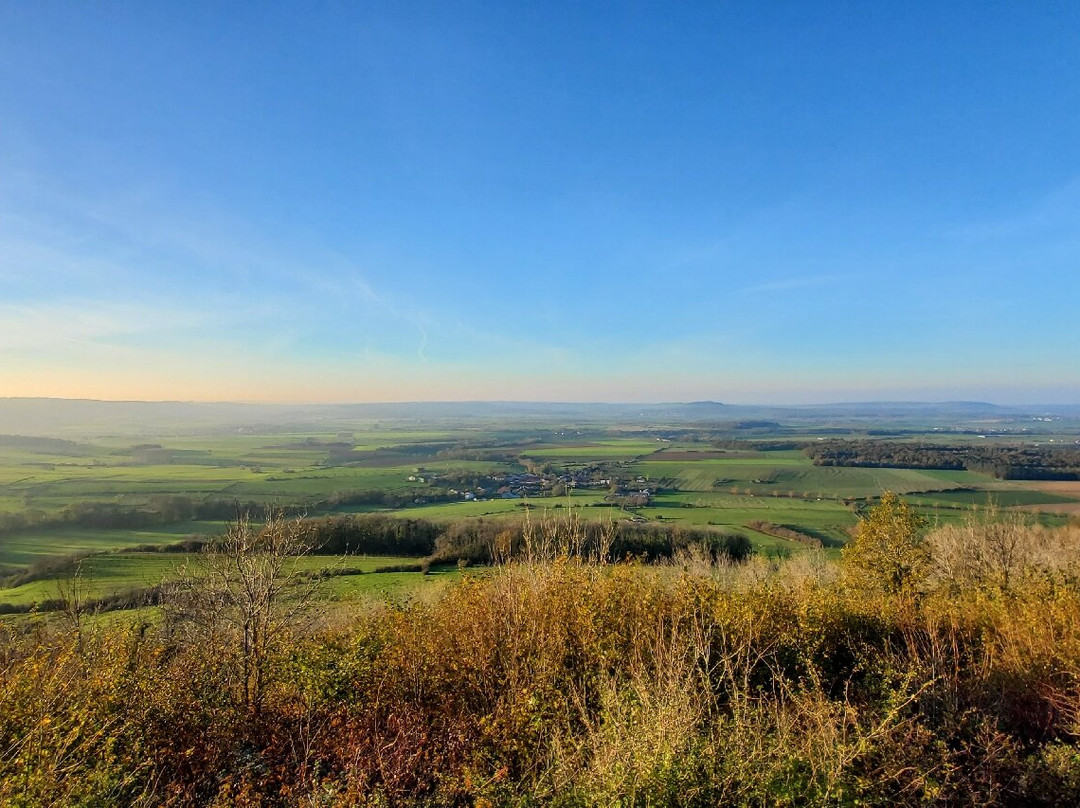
(1004, 462)
(481, 541)
(159, 510)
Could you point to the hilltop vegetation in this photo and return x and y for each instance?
(561, 680)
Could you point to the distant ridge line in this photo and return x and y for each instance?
(532, 403)
(48, 417)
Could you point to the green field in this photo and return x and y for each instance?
(500, 508)
(387, 585)
(792, 474)
(1003, 498)
(108, 574)
(599, 451)
(26, 548)
(438, 474)
(266, 468)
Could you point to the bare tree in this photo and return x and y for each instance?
(245, 593)
(72, 594)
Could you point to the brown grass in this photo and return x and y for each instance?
(1066, 488)
(561, 682)
(1058, 508)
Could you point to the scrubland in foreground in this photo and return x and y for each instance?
(937, 670)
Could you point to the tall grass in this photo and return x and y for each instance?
(556, 681)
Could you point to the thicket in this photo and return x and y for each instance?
(483, 541)
(565, 682)
(784, 532)
(371, 534)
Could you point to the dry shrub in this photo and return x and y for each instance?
(640, 745)
(65, 719)
(571, 683)
(995, 551)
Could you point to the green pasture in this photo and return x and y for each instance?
(1001, 497)
(597, 451)
(771, 546)
(112, 573)
(387, 585)
(828, 519)
(444, 466)
(25, 548)
(792, 474)
(451, 511)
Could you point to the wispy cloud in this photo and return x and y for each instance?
(791, 284)
(342, 281)
(115, 251)
(45, 326)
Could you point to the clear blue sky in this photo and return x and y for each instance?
(739, 201)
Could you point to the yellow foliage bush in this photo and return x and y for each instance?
(569, 683)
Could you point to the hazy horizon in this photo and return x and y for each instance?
(793, 203)
(743, 404)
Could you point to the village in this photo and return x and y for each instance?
(528, 484)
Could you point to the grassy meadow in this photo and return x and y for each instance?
(108, 574)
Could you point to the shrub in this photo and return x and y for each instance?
(572, 683)
(888, 550)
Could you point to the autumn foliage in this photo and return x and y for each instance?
(562, 682)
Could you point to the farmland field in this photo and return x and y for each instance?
(105, 491)
(25, 548)
(102, 575)
(791, 474)
(604, 450)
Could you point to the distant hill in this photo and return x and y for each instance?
(73, 418)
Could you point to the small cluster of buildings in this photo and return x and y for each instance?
(526, 484)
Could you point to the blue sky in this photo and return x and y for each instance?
(745, 202)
